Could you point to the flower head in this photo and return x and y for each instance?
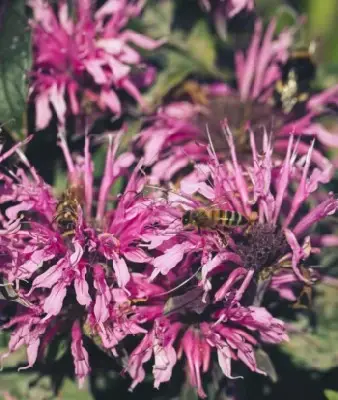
(169, 139)
(230, 233)
(264, 230)
(258, 71)
(87, 58)
(64, 255)
(190, 327)
(166, 144)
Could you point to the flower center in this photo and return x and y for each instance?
(262, 246)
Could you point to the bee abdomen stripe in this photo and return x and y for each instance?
(215, 215)
(233, 218)
(226, 217)
(239, 219)
(222, 216)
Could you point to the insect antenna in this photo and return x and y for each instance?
(178, 286)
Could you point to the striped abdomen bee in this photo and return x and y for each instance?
(297, 74)
(204, 218)
(67, 211)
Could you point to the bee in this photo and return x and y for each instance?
(194, 91)
(67, 211)
(304, 299)
(203, 218)
(297, 74)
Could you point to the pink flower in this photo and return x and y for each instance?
(80, 354)
(62, 267)
(90, 58)
(195, 329)
(257, 71)
(168, 142)
(213, 281)
(28, 331)
(272, 234)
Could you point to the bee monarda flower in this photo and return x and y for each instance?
(171, 135)
(230, 234)
(65, 254)
(85, 59)
(186, 325)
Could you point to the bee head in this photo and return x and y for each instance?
(186, 219)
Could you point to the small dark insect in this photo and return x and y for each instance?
(304, 299)
(194, 91)
(297, 75)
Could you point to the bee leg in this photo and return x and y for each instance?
(223, 236)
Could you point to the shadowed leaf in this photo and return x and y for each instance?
(331, 395)
(265, 364)
(15, 60)
(317, 347)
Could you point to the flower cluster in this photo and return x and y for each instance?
(180, 129)
(89, 59)
(62, 257)
(195, 292)
(167, 254)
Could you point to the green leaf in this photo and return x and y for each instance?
(31, 386)
(194, 54)
(322, 22)
(99, 160)
(316, 349)
(60, 181)
(157, 18)
(176, 71)
(15, 44)
(331, 394)
(200, 44)
(70, 391)
(265, 364)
